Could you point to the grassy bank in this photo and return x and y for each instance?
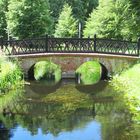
(129, 83)
(10, 75)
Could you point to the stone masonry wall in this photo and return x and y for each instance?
(70, 63)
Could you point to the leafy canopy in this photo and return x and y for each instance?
(67, 25)
(113, 19)
(28, 18)
(3, 24)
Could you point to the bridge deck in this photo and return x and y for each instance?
(98, 55)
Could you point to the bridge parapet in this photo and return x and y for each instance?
(69, 45)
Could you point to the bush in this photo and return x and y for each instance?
(10, 75)
(90, 72)
(47, 70)
(129, 83)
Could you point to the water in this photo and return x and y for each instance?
(67, 111)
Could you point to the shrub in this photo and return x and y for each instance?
(10, 74)
(47, 70)
(90, 72)
(128, 82)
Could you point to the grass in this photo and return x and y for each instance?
(90, 72)
(129, 83)
(10, 75)
(47, 70)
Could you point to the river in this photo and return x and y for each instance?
(67, 111)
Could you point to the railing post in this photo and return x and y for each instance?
(89, 44)
(138, 46)
(46, 43)
(95, 39)
(1, 43)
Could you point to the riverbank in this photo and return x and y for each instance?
(10, 74)
(128, 82)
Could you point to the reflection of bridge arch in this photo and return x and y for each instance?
(40, 88)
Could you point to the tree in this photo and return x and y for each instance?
(80, 8)
(134, 19)
(67, 25)
(100, 20)
(56, 8)
(3, 24)
(28, 18)
(112, 19)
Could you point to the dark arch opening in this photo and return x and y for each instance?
(104, 75)
(31, 73)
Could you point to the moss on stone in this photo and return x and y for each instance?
(90, 72)
(47, 70)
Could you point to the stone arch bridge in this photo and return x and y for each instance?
(70, 53)
(70, 62)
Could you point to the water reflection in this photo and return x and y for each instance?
(5, 134)
(40, 88)
(69, 113)
(87, 133)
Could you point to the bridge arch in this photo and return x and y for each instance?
(104, 75)
(30, 72)
(91, 72)
(104, 72)
(70, 62)
(44, 70)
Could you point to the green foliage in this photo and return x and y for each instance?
(9, 100)
(113, 19)
(2, 58)
(47, 70)
(128, 82)
(28, 18)
(100, 19)
(10, 75)
(3, 24)
(80, 8)
(67, 25)
(90, 72)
